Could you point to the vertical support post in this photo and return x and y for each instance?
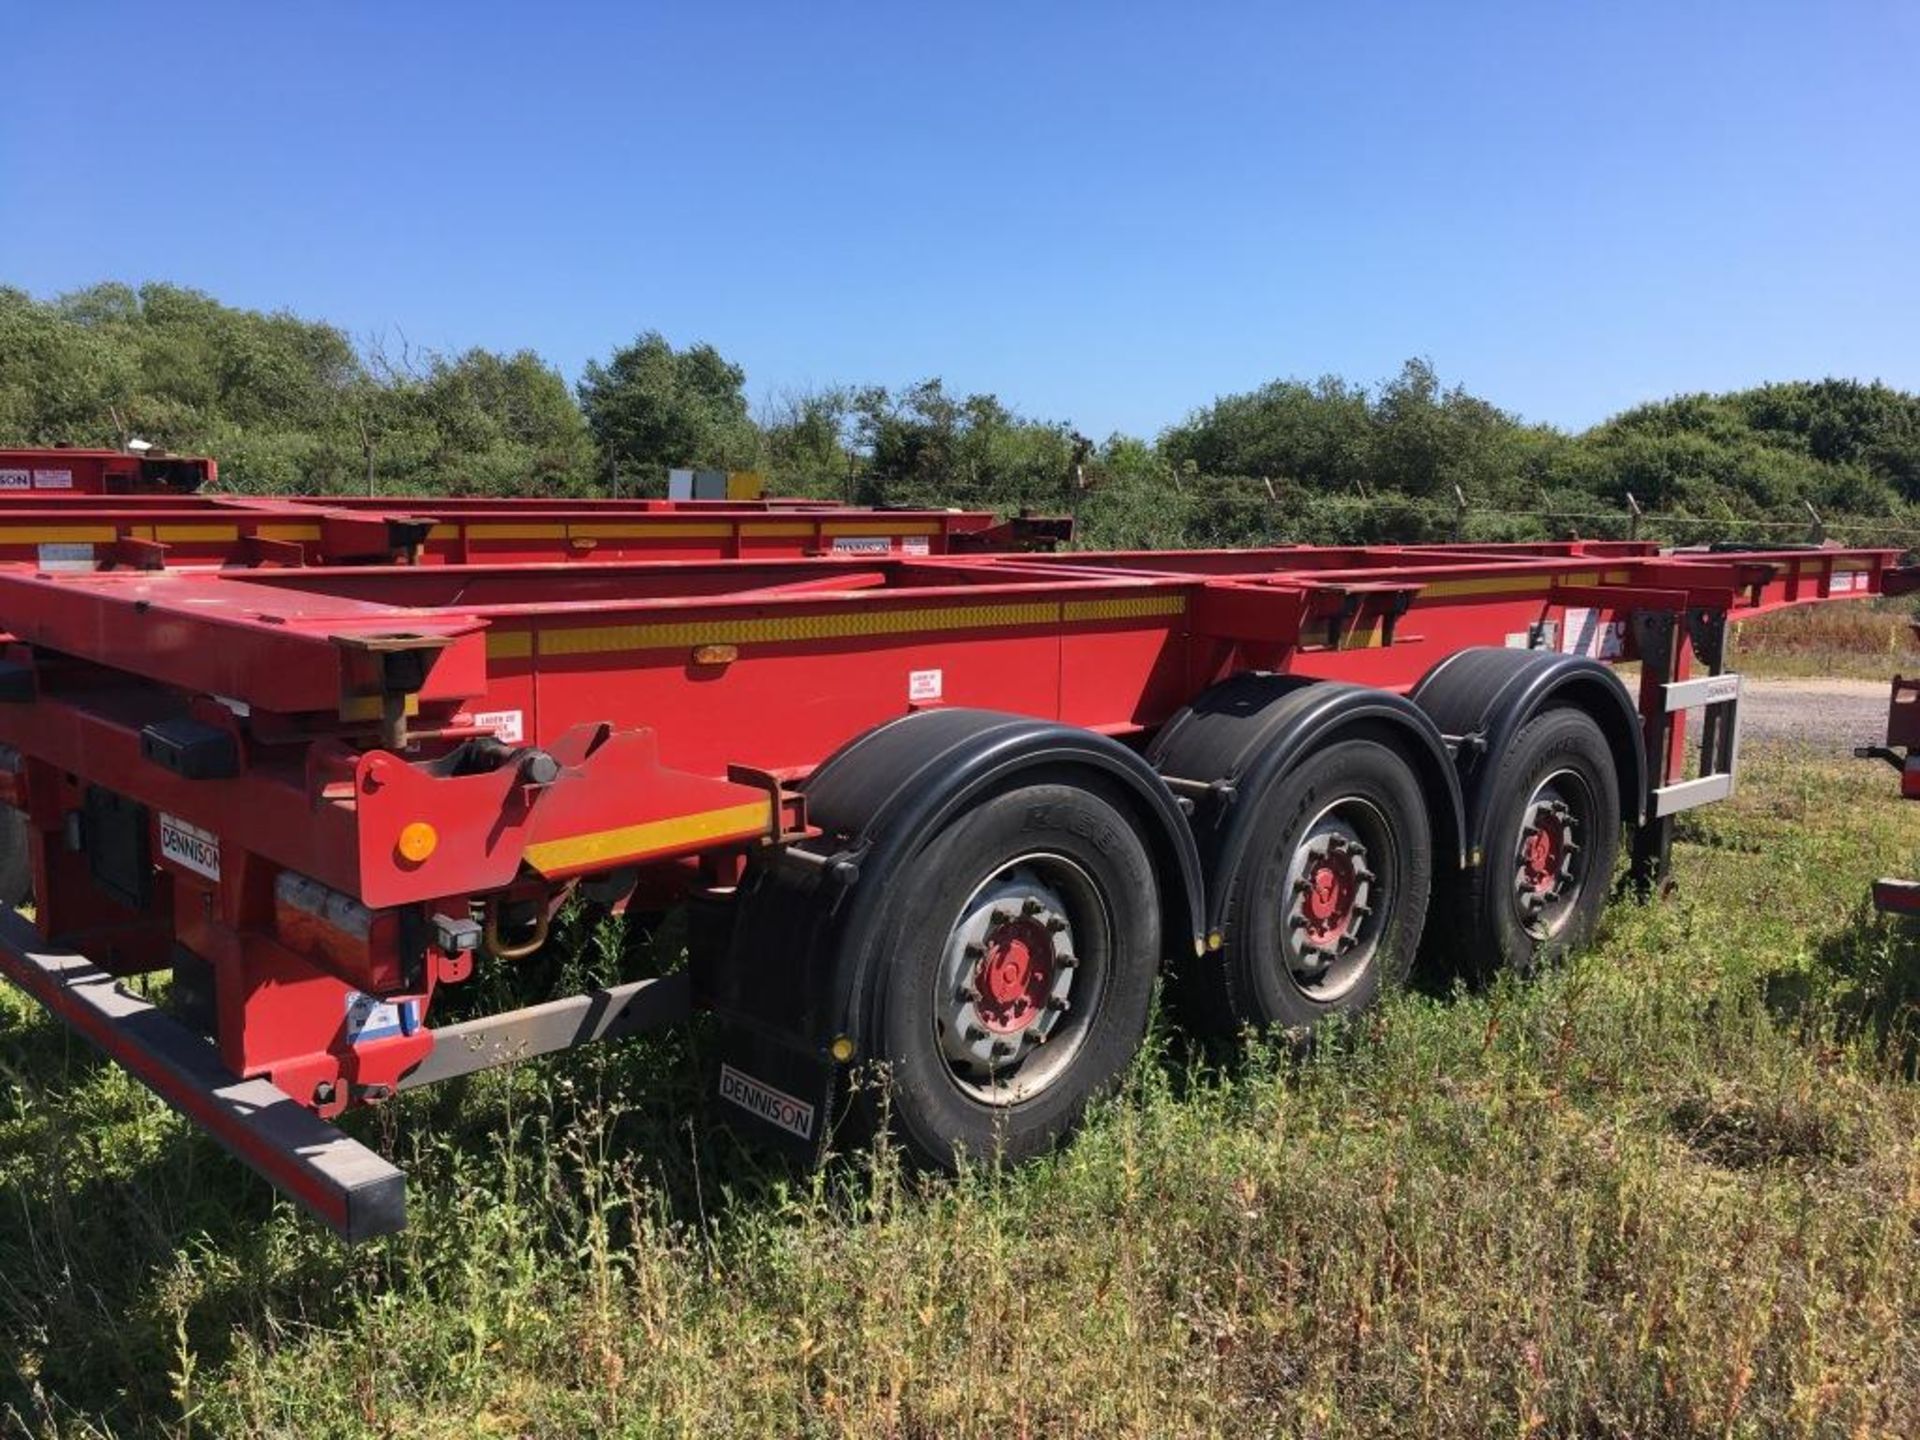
(1634, 512)
(1652, 851)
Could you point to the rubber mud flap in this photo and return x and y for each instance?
(775, 1094)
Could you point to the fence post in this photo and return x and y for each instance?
(1459, 514)
(1818, 534)
(1633, 516)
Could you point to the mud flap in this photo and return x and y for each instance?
(776, 1094)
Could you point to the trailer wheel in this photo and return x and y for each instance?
(1553, 834)
(1024, 951)
(1325, 908)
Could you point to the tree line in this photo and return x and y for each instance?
(290, 404)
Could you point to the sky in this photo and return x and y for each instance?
(1106, 214)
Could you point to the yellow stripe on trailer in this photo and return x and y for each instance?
(187, 533)
(288, 532)
(791, 629)
(58, 534)
(882, 527)
(516, 532)
(1500, 585)
(782, 528)
(509, 644)
(654, 837)
(658, 530)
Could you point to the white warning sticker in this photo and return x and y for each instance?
(371, 1018)
(66, 555)
(509, 726)
(16, 479)
(53, 479)
(925, 684)
(776, 1107)
(915, 545)
(1586, 633)
(189, 847)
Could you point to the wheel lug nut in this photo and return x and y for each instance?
(974, 1033)
(1055, 925)
(1059, 1004)
(970, 994)
(1031, 907)
(1067, 962)
(1002, 1050)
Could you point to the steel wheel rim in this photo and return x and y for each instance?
(1549, 856)
(1337, 898)
(1021, 978)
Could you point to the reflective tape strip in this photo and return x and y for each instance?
(789, 629)
(882, 527)
(654, 837)
(670, 530)
(509, 644)
(779, 528)
(196, 532)
(1500, 585)
(58, 534)
(288, 532)
(516, 532)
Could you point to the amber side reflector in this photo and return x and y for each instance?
(715, 654)
(417, 841)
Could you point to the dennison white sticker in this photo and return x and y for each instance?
(189, 847)
(862, 544)
(508, 725)
(776, 1107)
(16, 479)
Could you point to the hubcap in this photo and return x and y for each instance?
(1548, 874)
(1331, 930)
(1023, 970)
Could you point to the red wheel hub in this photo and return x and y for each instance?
(1014, 976)
(1331, 883)
(1542, 852)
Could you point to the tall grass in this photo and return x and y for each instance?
(1870, 640)
(1670, 1189)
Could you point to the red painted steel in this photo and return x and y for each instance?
(60, 471)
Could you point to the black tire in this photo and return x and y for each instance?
(1560, 756)
(1265, 972)
(1098, 869)
(16, 858)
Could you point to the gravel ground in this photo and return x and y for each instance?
(1829, 716)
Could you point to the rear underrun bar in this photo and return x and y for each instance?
(340, 1182)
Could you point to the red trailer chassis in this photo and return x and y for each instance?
(61, 471)
(320, 794)
(150, 532)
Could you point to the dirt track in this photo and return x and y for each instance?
(1830, 716)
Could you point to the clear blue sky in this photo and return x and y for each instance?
(1106, 214)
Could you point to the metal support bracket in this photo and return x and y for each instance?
(1719, 697)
